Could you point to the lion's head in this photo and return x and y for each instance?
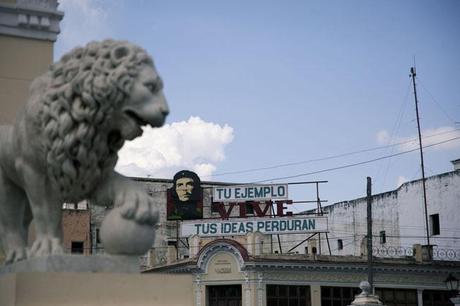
(92, 100)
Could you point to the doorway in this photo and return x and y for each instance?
(226, 295)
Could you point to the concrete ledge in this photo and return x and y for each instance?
(101, 289)
(31, 19)
(75, 263)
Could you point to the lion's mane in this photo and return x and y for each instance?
(80, 93)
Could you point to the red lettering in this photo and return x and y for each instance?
(258, 211)
(224, 213)
(280, 208)
(242, 209)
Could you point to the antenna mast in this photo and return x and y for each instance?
(413, 74)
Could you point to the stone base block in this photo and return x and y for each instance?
(91, 289)
(75, 263)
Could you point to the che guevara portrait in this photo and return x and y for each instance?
(185, 197)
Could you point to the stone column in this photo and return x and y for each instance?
(261, 290)
(420, 297)
(198, 290)
(246, 294)
(28, 29)
(315, 292)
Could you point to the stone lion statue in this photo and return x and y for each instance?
(63, 146)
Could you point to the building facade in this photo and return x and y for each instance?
(226, 273)
(262, 269)
(28, 30)
(398, 223)
(76, 220)
(398, 220)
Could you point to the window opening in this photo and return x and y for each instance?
(434, 221)
(77, 247)
(383, 237)
(340, 244)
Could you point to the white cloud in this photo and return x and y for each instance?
(429, 137)
(84, 21)
(194, 144)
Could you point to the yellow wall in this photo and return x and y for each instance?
(101, 289)
(21, 60)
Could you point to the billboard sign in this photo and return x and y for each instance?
(250, 193)
(234, 227)
(185, 197)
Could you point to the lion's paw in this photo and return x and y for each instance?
(15, 255)
(138, 205)
(46, 246)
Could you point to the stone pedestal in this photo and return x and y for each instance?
(456, 300)
(87, 288)
(75, 263)
(365, 298)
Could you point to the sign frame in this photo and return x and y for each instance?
(242, 226)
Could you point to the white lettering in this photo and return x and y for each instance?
(250, 192)
(281, 225)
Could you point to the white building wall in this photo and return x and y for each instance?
(348, 222)
(443, 198)
(400, 213)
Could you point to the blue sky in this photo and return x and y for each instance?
(257, 84)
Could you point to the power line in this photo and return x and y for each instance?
(437, 103)
(354, 164)
(396, 127)
(349, 165)
(327, 157)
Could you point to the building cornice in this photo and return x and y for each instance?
(36, 19)
(259, 264)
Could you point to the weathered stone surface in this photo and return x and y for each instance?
(95, 289)
(122, 236)
(75, 263)
(63, 146)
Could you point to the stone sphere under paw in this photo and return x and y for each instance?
(122, 236)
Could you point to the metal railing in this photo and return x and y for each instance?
(446, 254)
(401, 252)
(392, 252)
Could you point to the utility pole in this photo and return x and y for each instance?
(413, 74)
(370, 275)
(320, 213)
(367, 297)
